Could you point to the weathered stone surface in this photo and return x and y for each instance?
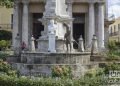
(56, 58)
(41, 63)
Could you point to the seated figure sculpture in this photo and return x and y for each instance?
(67, 37)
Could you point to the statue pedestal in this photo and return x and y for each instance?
(43, 45)
(60, 45)
(52, 44)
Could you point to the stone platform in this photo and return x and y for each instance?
(40, 64)
(55, 58)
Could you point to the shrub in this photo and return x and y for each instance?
(61, 71)
(114, 52)
(5, 68)
(5, 35)
(24, 81)
(4, 44)
(111, 66)
(112, 45)
(3, 56)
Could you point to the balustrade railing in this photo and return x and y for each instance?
(5, 26)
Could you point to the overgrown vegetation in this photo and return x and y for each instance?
(61, 72)
(5, 39)
(6, 69)
(94, 77)
(111, 67)
(3, 56)
(7, 3)
(24, 81)
(4, 45)
(113, 51)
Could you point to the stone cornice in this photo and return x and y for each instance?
(31, 1)
(88, 1)
(67, 1)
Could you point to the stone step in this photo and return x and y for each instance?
(46, 69)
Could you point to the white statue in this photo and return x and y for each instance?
(51, 36)
(51, 27)
(32, 44)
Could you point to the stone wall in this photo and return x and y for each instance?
(55, 58)
(40, 64)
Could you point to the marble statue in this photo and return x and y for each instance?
(51, 36)
(32, 44)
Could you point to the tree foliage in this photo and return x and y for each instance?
(7, 3)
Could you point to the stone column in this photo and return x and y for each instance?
(15, 24)
(91, 26)
(25, 21)
(101, 26)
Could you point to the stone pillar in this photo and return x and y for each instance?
(15, 24)
(81, 44)
(101, 26)
(25, 23)
(91, 26)
(94, 48)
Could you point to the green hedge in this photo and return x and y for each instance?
(24, 81)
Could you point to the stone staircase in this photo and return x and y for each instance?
(40, 64)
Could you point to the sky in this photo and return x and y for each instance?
(114, 8)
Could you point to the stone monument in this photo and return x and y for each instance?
(54, 10)
(51, 51)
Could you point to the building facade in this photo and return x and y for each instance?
(88, 20)
(5, 18)
(114, 30)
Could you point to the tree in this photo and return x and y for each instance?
(7, 3)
